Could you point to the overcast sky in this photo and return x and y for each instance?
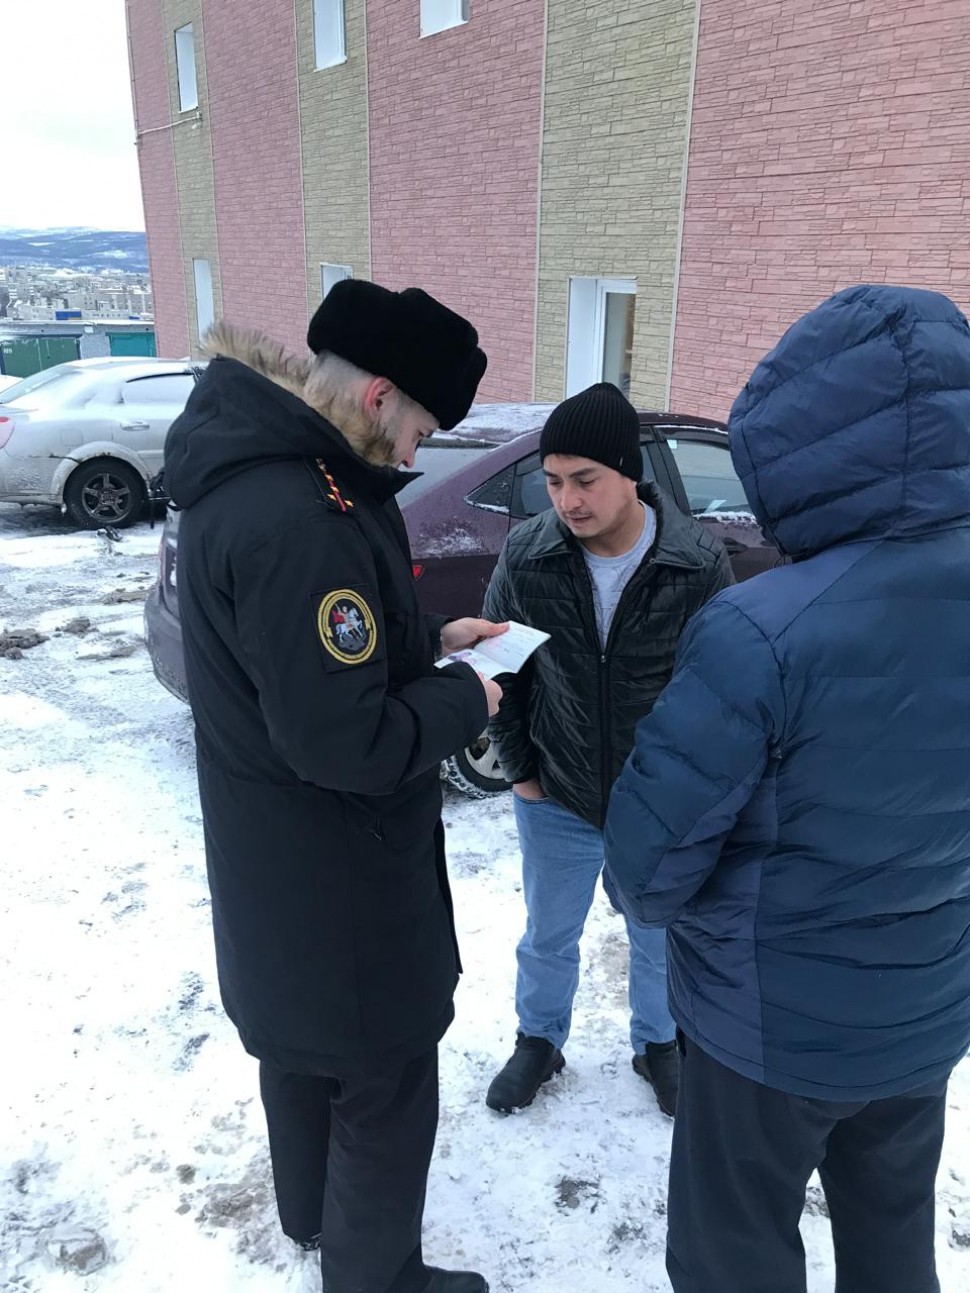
(67, 152)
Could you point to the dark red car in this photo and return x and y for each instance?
(478, 482)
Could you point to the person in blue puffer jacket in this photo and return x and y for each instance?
(796, 811)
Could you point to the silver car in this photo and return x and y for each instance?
(88, 435)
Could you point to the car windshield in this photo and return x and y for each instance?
(42, 388)
(437, 463)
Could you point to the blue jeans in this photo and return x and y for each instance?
(562, 857)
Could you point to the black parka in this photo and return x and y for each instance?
(320, 726)
(569, 716)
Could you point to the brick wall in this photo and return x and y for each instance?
(333, 116)
(614, 146)
(830, 146)
(156, 162)
(250, 61)
(193, 163)
(454, 139)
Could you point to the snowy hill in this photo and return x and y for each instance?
(86, 249)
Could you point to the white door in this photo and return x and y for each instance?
(600, 333)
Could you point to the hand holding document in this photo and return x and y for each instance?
(504, 654)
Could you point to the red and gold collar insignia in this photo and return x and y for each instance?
(334, 495)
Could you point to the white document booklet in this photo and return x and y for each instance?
(506, 653)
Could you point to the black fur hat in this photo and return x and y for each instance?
(425, 349)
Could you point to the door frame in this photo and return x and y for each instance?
(586, 327)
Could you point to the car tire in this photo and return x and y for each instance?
(475, 770)
(104, 492)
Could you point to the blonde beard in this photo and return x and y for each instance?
(339, 403)
(375, 444)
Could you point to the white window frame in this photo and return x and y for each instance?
(329, 33)
(205, 309)
(331, 274)
(586, 328)
(188, 85)
(442, 15)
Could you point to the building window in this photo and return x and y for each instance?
(600, 335)
(439, 15)
(185, 68)
(329, 38)
(205, 311)
(330, 274)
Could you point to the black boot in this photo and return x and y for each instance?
(455, 1282)
(660, 1066)
(534, 1062)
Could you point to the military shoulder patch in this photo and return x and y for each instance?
(347, 627)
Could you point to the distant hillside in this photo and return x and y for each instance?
(83, 249)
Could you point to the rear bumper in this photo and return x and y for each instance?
(163, 636)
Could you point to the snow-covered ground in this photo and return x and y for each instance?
(129, 1115)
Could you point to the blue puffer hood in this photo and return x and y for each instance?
(857, 425)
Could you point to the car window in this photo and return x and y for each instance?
(710, 481)
(46, 387)
(166, 388)
(529, 494)
(494, 494)
(436, 463)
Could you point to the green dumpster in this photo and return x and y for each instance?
(24, 356)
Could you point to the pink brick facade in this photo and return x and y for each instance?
(454, 147)
(156, 161)
(256, 165)
(830, 145)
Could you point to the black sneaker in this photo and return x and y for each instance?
(455, 1282)
(660, 1066)
(534, 1062)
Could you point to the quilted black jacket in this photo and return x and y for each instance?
(569, 716)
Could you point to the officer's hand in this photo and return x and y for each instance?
(493, 694)
(460, 634)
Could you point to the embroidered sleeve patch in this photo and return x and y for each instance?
(346, 626)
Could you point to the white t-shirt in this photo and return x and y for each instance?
(610, 575)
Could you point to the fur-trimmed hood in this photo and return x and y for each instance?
(260, 353)
(247, 408)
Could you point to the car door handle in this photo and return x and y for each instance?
(135, 426)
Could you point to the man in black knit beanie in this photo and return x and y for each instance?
(612, 573)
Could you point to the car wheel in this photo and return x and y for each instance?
(104, 492)
(475, 770)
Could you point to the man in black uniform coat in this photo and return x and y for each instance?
(320, 726)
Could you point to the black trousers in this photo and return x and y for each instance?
(741, 1158)
(350, 1165)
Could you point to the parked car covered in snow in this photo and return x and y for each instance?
(478, 482)
(88, 435)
